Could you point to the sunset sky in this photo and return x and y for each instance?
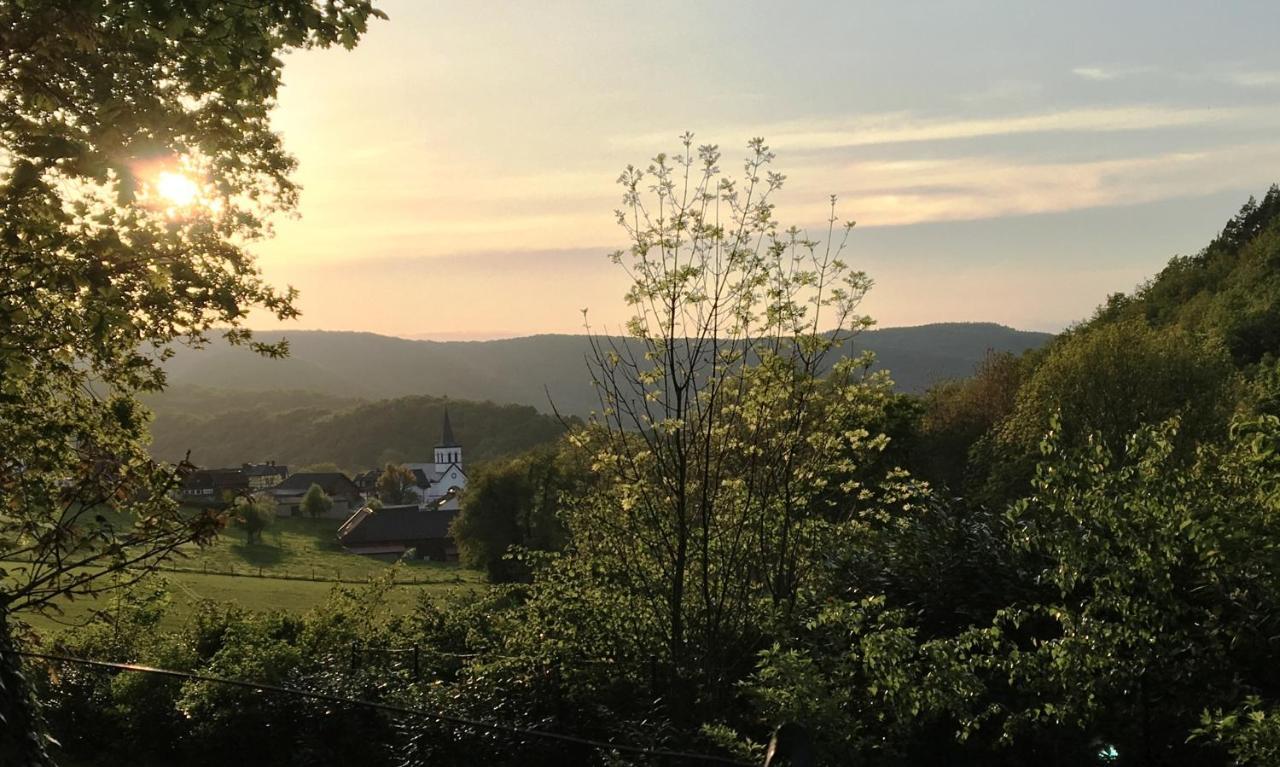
(1006, 161)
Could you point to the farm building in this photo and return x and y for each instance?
(398, 529)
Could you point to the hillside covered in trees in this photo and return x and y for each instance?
(221, 428)
(536, 370)
(1228, 292)
(1198, 342)
(227, 406)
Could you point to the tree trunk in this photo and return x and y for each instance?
(22, 738)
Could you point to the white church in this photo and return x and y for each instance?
(421, 528)
(444, 477)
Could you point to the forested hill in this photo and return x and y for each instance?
(1199, 342)
(524, 370)
(1230, 291)
(222, 428)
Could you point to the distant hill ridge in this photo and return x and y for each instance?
(367, 366)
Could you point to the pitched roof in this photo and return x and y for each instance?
(216, 478)
(446, 437)
(401, 524)
(439, 477)
(333, 483)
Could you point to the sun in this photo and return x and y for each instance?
(177, 189)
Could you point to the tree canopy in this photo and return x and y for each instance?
(1229, 291)
(518, 503)
(254, 515)
(396, 484)
(137, 162)
(316, 502)
(101, 271)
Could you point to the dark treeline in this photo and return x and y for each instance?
(221, 428)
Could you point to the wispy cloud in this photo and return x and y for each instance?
(906, 127)
(1094, 73)
(1108, 73)
(896, 193)
(877, 193)
(1241, 78)
(1254, 79)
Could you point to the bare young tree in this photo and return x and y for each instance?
(721, 416)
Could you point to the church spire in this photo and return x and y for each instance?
(446, 438)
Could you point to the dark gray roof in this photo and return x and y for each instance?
(398, 524)
(216, 478)
(420, 476)
(333, 483)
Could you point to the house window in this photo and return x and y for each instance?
(453, 475)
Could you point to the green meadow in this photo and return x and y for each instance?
(306, 548)
(295, 568)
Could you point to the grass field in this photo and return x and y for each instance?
(300, 547)
(294, 552)
(186, 589)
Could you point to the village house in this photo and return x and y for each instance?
(223, 486)
(341, 490)
(214, 487)
(367, 483)
(264, 475)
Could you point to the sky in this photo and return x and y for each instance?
(1012, 162)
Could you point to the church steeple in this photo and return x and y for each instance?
(447, 438)
(448, 452)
